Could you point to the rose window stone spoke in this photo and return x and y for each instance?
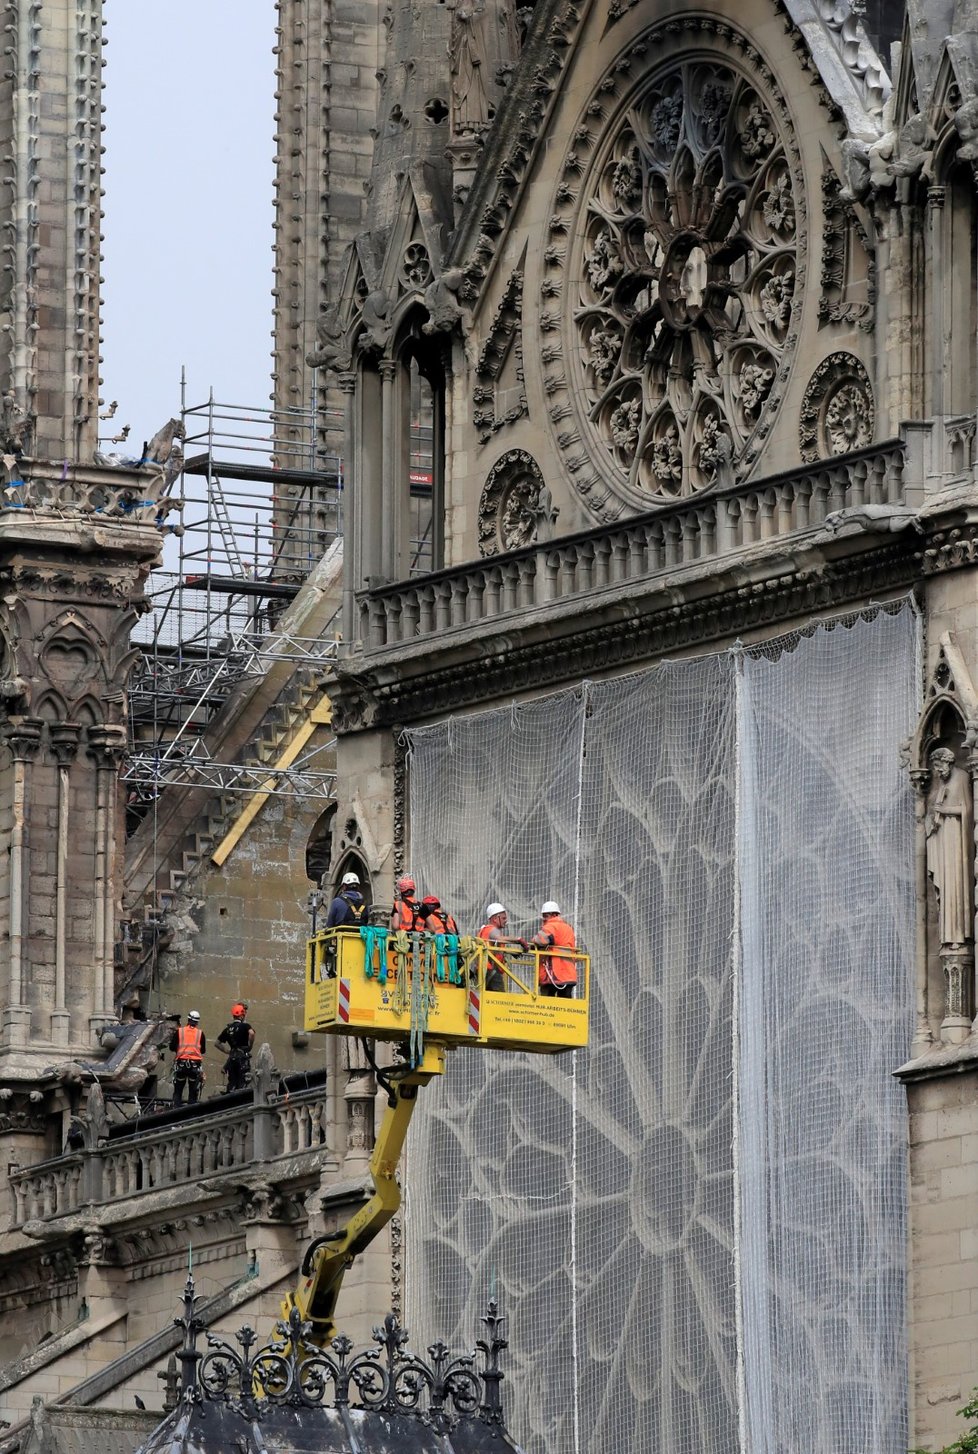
(683, 288)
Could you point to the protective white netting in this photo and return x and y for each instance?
(734, 1079)
(825, 858)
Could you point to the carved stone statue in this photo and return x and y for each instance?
(949, 830)
(332, 350)
(442, 302)
(16, 427)
(376, 318)
(470, 100)
(95, 1120)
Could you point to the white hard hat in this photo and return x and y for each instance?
(194, 1015)
(493, 909)
(350, 878)
(550, 907)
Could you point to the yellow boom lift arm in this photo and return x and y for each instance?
(326, 1260)
(423, 990)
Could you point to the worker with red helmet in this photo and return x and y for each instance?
(237, 1038)
(436, 919)
(406, 913)
(558, 971)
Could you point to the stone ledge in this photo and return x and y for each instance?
(946, 1061)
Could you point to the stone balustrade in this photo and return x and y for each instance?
(138, 495)
(171, 1156)
(681, 535)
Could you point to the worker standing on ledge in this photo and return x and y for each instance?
(237, 1038)
(558, 972)
(348, 908)
(406, 913)
(494, 931)
(189, 1045)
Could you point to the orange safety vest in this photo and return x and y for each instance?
(447, 923)
(407, 914)
(188, 1042)
(555, 969)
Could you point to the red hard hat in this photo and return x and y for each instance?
(406, 882)
(431, 902)
(239, 1011)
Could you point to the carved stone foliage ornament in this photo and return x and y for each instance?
(848, 264)
(515, 508)
(838, 413)
(495, 404)
(683, 283)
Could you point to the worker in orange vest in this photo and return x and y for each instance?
(436, 919)
(558, 971)
(189, 1045)
(406, 913)
(494, 931)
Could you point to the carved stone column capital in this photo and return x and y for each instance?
(64, 741)
(387, 368)
(920, 781)
(346, 383)
(23, 737)
(107, 745)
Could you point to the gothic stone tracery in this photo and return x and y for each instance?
(682, 288)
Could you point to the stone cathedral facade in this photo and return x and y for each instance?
(648, 334)
(691, 296)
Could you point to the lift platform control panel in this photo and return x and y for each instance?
(455, 992)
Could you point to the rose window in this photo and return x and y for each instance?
(686, 268)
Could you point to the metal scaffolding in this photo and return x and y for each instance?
(262, 502)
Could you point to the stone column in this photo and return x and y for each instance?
(939, 360)
(923, 1039)
(22, 738)
(394, 486)
(348, 387)
(106, 746)
(361, 1088)
(64, 745)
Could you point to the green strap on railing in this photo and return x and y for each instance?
(375, 938)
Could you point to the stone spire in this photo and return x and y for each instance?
(413, 114)
(50, 195)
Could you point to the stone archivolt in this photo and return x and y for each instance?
(684, 283)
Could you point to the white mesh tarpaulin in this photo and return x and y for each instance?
(825, 859)
(696, 1227)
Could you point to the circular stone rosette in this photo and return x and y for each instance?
(514, 503)
(681, 282)
(838, 412)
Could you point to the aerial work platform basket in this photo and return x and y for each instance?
(392, 986)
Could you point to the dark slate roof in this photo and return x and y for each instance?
(291, 1397)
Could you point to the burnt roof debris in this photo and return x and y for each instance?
(290, 1396)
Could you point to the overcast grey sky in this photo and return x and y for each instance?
(188, 204)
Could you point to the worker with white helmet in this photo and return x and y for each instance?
(189, 1045)
(558, 971)
(494, 931)
(348, 909)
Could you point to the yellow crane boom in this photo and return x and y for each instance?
(327, 1259)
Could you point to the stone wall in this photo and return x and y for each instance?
(944, 1249)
